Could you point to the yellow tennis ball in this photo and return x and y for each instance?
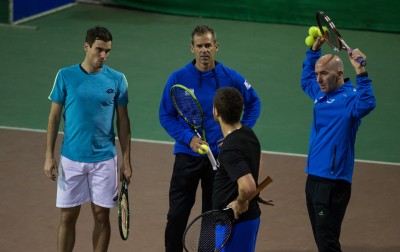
(310, 40)
(205, 147)
(319, 31)
(313, 31)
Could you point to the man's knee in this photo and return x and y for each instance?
(101, 215)
(69, 216)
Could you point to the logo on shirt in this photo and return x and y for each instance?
(331, 100)
(110, 91)
(248, 86)
(316, 100)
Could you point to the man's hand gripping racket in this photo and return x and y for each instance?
(210, 231)
(188, 107)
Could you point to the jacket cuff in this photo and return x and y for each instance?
(364, 74)
(188, 137)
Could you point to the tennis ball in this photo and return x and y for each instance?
(310, 40)
(319, 31)
(205, 147)
(313, 31)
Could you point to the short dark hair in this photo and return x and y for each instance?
(97, 32)
(228, 101)
(202, 29)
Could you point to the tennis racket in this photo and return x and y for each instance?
(188, 107)
(123, 210)
(210, 231)
(332, 36)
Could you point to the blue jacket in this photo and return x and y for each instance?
(204, 85)
(336, 118)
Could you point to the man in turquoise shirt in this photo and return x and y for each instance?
(88, 95)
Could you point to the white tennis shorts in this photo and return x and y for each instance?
(82, 182)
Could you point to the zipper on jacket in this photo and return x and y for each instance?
(334, 160)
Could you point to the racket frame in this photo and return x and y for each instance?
(123, 194)
(342, 44)
(227, 211)
(192, 126)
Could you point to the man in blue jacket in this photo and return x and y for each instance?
(203, 76)
(338, 110)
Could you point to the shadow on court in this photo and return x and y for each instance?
(29, 218)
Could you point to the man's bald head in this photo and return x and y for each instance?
(329, 71)
(331, 61)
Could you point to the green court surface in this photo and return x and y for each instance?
(147, 47)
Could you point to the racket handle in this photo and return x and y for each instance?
(268, 180)
(361, 61)
(212, 160)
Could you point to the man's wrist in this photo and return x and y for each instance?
(362, 74)
(241, 201)
(49, 155)
(315, 49)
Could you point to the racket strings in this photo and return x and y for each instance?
(187, 105)
(123, 211)
(330, 33)
(208, 233)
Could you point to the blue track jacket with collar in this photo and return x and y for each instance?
(204, 86)
(336, 118)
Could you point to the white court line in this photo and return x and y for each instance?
(171, 143)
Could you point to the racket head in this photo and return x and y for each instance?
(187, 106)
(123, 210)
(329, 32)
(209, 231)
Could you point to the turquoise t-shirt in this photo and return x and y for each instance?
(89, 103)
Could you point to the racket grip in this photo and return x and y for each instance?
(212, 160)
(361, 61)
(268, 180)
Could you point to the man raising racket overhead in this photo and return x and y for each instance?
(339, 107)
(203, 76)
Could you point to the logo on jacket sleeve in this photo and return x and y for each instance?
(248, 86)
